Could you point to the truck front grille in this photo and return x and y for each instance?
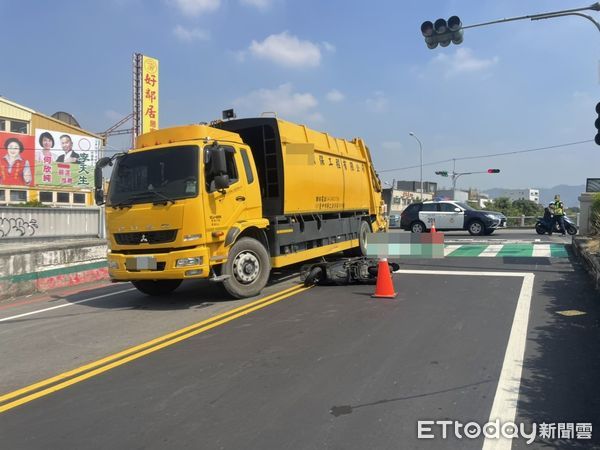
(149, 237)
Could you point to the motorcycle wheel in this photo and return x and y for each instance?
(540, 229)
(571, 230)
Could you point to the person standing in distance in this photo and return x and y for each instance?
(67, 145)
(558, 209)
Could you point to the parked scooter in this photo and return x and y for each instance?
(543, 225)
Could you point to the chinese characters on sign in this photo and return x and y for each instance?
(149, 93)
(64, 159)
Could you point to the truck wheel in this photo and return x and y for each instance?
(363, 231)
(248, 265)
(476, 228)
(156, 288)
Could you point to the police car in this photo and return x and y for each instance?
(449, 216)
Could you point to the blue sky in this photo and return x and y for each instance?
(351, 68)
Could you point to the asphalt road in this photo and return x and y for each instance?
(328, 367)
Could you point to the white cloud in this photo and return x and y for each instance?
(281, 100)
(287, 50)
(391, 145)
(196, 7)
(463, 61)
(262, 5)
(335, 96)
(378, 103)
(191, 34)
(329, 47)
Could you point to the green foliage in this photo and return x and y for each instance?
(595, 214)
(516, 208)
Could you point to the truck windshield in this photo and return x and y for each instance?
(155, 176)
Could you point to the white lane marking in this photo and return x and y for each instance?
(504, 407)
(541, 250)
(18, 316)
(450, 248)
(491, 251)
(462, 272)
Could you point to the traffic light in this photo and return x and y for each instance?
(443, 173)
(442, 32)
(597, 123)
(493, 171)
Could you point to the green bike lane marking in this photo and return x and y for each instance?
(508, 250)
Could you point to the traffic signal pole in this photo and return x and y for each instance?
(549, 15)
(443, 32)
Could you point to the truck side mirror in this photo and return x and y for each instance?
(98, 191)
(221, 182)
(218, 162)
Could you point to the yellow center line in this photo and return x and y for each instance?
(138, 351)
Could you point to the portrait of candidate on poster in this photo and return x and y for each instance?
(65, 159)
(16, 159)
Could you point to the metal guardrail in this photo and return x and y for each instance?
(32, 223)
(527, 221)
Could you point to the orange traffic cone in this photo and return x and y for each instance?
(385, 285)
(433, 230)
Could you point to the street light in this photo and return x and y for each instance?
(421, 154)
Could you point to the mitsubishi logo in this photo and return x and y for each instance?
(143, 239)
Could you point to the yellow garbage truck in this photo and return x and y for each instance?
(231, 200)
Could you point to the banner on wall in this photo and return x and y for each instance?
(16, 159)
(65, 159)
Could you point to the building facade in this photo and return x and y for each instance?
(45, 159)
(523, 194)
(396, 199)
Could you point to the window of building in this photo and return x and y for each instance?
(46, 197)
(79, 198)
(62, 197)
(2, 124)
(2, 195)
(18, 196)
(18, 126)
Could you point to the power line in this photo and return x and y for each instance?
(490, 155)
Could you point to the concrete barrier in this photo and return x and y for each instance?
(28, 268)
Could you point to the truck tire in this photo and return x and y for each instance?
(156, 288)
(363, 230)
(476, 228)
(248, 266)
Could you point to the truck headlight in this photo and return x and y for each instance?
(184, 262)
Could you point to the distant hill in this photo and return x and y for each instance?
(568, 194)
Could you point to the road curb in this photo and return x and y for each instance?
(590, 261)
